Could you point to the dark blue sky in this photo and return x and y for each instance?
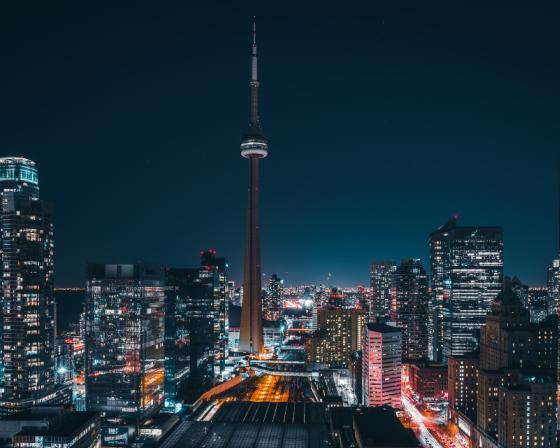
(383, 122)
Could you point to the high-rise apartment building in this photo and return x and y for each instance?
(462, 385)
(382, 290)
(527, 415)
(338, 335)
(467, 274)
(125, 339)
(411, 311)
(381, 365)
(27, 350)
(273, 299)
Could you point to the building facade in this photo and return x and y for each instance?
(339, 334)
(273, 299)
(467, 275)
(429, 381)
(513, 355)
(516, 399)
(538, 303)
(381, 365)
(411, 311)
(192, 289)
(527, 415)
(125, 339)
(214, 268)
(462, 385)
(27, 370)
(382, 284)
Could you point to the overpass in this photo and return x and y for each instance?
(276, 361)
(270, 371)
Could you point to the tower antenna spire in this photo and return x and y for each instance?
(254, 77)
(254, 84)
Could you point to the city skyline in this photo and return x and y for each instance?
(328, 213)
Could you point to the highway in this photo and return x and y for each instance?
(426, 437)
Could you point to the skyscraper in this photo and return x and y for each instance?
(515, 357)
(254, 147)
(553, 286)
(125, 339)
(214, 268)
(553, 277)
(381, 368)
(411, 314)
(192, 289)
(513, 378)
(28, 307)
(272, 300)
(467, 274)
(382, 289)
(177, 345)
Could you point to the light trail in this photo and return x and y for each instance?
(418, 418)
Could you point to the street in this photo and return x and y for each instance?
(426, 437)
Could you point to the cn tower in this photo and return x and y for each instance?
(254, 147)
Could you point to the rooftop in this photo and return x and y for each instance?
(64, 425)
(382, 328)
(380, 427)
(263, 425)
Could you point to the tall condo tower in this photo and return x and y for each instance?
(254, 147)
(27, 353)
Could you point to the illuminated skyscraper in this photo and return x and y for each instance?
(381, 368)
(192, 290)
(125, 339)
(553, 286)
(214, 268)
(254, 147)
(272, 300)
(177, 346)
(467, 274)
(411, 314)
(517, 358)
(27, 250)
(383, 289)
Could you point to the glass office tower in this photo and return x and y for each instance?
(125, 339)
(411, 313)
(382, 283)
(28, 327)
(177, 345)
(467, 274)
(213, 268)
(192, 290)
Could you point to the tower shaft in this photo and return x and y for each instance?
(251, 335)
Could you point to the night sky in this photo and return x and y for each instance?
(383, 122)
